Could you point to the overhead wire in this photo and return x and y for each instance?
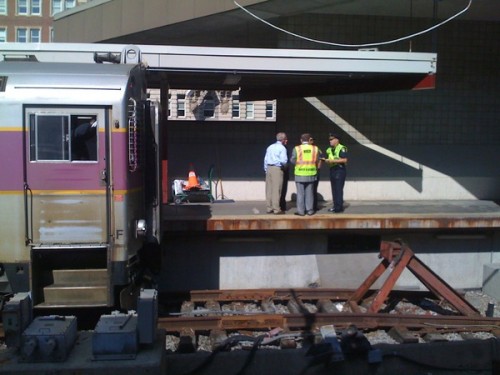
(356, 45)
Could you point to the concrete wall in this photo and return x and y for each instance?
(109, 19)
(335, 260)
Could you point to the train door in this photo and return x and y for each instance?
(65, 177)
(67, 204)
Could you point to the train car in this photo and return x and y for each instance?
(79, 184)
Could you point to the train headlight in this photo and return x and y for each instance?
(140, 228)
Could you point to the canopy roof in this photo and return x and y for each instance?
(258, 73)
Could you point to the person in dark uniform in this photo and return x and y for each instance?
(336, 159)
(85, 141)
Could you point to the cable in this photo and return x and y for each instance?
(355, 45)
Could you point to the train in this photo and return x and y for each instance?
(79, 188)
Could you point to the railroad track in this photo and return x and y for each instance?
(307, 310)
(257, 321)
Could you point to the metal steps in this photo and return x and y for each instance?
(72, 288)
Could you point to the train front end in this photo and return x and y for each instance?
(78, 192)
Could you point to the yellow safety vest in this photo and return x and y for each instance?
(334, 153)
(307, 156)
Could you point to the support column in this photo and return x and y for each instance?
(164, 101)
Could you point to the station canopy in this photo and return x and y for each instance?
(258, 73)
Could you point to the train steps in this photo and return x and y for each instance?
(75, 288)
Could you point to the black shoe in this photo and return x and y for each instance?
(299, 214)
(337, 211)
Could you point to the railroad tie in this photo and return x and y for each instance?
(402, 335)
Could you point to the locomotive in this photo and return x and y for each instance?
(79, 186)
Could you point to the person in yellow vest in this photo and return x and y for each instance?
(306, 160)
(336, 159)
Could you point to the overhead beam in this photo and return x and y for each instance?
(259, 73)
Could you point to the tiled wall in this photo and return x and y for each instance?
(452, 131)
(462, 109)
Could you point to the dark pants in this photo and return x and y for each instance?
(286, 178)
(316, 183)
(337, 181)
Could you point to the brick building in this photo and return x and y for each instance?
(31, 21)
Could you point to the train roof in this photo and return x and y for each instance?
(68, 83)
(35, 74)
(35, 67)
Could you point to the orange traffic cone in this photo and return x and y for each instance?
(193, 182)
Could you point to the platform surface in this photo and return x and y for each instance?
(227, 215)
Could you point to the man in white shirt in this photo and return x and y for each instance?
(275, 162)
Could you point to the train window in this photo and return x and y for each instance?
(63, 137)
(84, 138)
(48, 140)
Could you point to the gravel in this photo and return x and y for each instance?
(481, 301)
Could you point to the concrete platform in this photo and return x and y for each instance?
(149, 360)
(238, 245)
(251, 215)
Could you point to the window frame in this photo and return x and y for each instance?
(25, 5)
(250, 110)
(181, 105)
(3, 34)
(235, 106)
(39, 38)
(269, 110)
(4, 7)
(32, 7)
(28, 34)
(53, 8)
(62, 5)
(25, 30)
(69, 118)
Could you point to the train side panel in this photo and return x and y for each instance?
(14, 253)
